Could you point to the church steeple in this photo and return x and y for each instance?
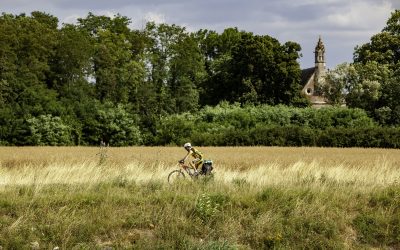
(313, 78)
(319, 52)
(319, 71)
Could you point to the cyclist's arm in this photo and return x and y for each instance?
(187, 155)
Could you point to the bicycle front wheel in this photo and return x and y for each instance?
(175, 175)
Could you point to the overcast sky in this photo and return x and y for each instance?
(342, 24)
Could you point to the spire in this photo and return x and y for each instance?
(320, 51)
(320, 44)
(319, 63)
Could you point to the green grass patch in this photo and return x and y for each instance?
(197, 215)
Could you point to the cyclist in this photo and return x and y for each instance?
(197, 155)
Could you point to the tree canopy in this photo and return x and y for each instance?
(372, 82)
(101, 79)
(65, 75)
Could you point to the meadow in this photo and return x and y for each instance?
(258, 198)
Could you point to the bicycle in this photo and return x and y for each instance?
(184, 169)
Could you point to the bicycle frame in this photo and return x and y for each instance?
(189, 169)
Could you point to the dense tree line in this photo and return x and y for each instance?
(99, 79)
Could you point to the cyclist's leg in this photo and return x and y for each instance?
(198, 164)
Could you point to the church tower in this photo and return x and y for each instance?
(311, 78)
(319, 60)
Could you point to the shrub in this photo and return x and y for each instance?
(113, 124)
(206, 207)
(48, 130)
(233, 125)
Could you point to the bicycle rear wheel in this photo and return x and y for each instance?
(175, 175)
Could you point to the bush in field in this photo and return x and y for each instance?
(175, 129)
(206, 207)
(48, 130)
(113, 124)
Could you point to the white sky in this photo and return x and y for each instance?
(343, 24)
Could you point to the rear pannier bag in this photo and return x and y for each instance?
(207, 167)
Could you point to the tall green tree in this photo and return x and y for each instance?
(249, 68)
(366, 89)
(187, 74)
(117, 69)
(384, 50)
(217, 50)
(387, 110)
(26, 47)
(356, 85)
(335, 82)
(71, 64)
(175, 67)
(384, 47)
(117, 74)
(25, 51)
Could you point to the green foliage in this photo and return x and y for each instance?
(176, 67)
(380, 58)
(232, 125)
(334, 83)
(71, 61)
(105, 80)
(379, 223)
(248, 68)
(383, 47)
(112, 124)
(175, 129)
(389, 103)
(377, 229)
(48, 130)
(206, 207)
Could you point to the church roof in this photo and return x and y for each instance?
(306, 75)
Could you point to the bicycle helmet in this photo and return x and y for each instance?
(187, 145)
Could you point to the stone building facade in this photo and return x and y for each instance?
(311, 77)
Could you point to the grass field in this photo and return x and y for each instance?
(259, 198)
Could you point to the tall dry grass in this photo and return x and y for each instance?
(259, 166)
(260, 198)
